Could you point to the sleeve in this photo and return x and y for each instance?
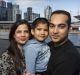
(6, 65)
(30, 58)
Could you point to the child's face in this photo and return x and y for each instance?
(41, 32)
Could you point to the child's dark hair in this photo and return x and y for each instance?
(39, 20)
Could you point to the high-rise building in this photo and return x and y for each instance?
(47, 12)
(2, 3)
(3, 14)
(18, 15)
(9, 5)
(26, 16)
(16, 12)
(9, 11)
(34, 16)
(3, 11)
(29, 13)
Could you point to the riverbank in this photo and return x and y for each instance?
(4, 43)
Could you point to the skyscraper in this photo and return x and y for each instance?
(35, 15)
(2, 3)
(3, 11)
(9, 11)
(29, 13)
(16, 12)
(47, 12)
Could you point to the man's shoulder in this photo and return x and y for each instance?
(78, 48)
(72, 50)
(50, 43)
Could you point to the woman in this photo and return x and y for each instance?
(12, 61)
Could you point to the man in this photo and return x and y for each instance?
(65, 59)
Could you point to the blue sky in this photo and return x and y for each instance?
(73, 6)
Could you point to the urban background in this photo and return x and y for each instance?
(10, 12)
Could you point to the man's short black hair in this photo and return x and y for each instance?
(65, 13)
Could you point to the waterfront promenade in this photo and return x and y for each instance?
(5, 43)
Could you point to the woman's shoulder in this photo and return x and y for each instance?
(5, 54)
(6, 57)
(6, 64)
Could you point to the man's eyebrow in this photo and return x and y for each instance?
(51, 23)
(62, 24)
(58, 24)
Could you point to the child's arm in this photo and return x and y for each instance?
(30, 59)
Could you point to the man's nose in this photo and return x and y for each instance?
(56, 30)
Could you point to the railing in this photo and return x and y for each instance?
(74, 31)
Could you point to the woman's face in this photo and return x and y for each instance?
(21, 34)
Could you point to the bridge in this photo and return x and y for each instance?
(6, 25)
(75, 27)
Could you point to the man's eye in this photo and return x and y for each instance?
(51, 26)
(62, 26)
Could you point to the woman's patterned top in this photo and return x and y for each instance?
(7, 66)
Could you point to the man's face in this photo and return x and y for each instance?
(58, 29)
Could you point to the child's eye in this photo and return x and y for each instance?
(46, 30)
(38, 28)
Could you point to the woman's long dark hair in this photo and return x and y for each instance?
(13, 49)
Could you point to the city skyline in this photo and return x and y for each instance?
(38, 6)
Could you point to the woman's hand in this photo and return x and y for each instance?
(26, 73)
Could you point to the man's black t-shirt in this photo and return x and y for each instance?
(64, 60)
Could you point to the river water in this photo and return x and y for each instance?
(75, 38)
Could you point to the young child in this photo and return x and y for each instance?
(36, 50)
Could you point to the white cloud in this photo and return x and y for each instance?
(27, 3)
(37, 5)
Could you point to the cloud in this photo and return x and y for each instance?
(28, 3)
(37, 5)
